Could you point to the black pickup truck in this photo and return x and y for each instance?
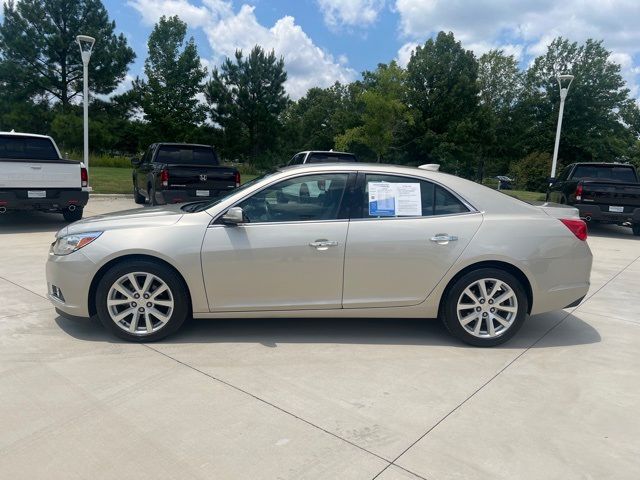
(180, 172)
(602, 192)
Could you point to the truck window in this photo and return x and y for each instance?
(190, 155)
(32, 148)
(617, 173)
(329, 157)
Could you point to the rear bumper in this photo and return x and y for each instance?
(180, 196)
(601, 213)
(56, 199)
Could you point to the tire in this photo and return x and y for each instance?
(168, 311)
(72, 216)
(152, 195)
(477, 330)
(137, 196)
(636, 229)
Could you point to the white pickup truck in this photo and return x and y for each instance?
(34, 176)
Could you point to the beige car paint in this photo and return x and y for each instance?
(222, 271)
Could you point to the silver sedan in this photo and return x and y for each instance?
(327, 241)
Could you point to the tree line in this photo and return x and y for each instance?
(476, 116)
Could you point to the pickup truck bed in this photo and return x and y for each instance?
(602, 192)
(33, 176)
(175, 173)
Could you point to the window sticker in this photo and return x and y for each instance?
(394, 199)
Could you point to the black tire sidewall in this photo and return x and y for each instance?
(450, 315)
(171, 278)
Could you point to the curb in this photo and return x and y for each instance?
(111, 195)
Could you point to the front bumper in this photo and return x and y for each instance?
(68, 282)
(601, 213)
(55, 200)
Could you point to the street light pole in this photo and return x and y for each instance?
(563, 96)
(86, 46)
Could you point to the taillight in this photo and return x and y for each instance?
(237, 175)
(164, 178)
(578, 227)
(578, 193)
(84, 177)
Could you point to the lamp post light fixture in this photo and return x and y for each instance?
(566, 79)
(86, 46)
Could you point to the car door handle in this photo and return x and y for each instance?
(36, 167)
(443, 238)
(323, 244)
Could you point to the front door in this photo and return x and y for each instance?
(289, 253)
(396, 255)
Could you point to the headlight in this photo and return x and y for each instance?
(70, 243)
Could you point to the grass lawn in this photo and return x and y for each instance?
(525, 195)
(119, 180)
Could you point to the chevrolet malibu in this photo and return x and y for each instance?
(329, 240)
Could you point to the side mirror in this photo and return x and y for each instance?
(233, 216)
(135, 161)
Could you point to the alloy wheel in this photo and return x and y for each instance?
(487, 308)
(140, 303)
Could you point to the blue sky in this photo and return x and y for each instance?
(327, 40)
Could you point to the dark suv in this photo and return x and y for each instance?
(318, 156)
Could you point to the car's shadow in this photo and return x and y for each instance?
(392, 331)
(609, 231)
(29, 221)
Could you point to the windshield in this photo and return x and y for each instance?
(617, 173)
(187, 154)
(32, 148)
(204, 205)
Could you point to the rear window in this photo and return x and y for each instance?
(329, 157)
(27, 147)
(618, 173)
(187, 155)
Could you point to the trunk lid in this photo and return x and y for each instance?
(611, 193)
(39, 174)
(557, 210)
(197, 177)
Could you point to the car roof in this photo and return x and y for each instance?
(183, 144)
(604, 164)
(326, 151)
(24, 134)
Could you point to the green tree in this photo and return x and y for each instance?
(500, 86)
(246, 98)
(385, 112)
(442, 90)
(598, 110)
(531, 172)
(168, 96)
(39, 55)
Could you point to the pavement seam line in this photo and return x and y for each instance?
(502, 370)
(280, 409)
(24, 288)
(24, 313)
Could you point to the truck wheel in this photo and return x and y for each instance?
(137, 196)
(72, 216)
(636, 229)
(152, 196)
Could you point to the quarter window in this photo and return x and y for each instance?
(299, 199)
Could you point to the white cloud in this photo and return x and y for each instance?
(307, 65)
(353, 13)
(404, 53)
(525, 28)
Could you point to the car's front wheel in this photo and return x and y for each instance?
(485, 307)
(141, 301)
(636, 229)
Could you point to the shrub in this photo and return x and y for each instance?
(531, 172)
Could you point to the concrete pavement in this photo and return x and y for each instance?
(317, 399)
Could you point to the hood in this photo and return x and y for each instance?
(557, 210)
(139, 217)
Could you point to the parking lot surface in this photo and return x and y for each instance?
(317, 399)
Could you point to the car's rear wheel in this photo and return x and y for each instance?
(636, 229)
(137, 196)
(141, 301)
(485, 307)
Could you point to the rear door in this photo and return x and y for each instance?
(398, 250)
(34, 163)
